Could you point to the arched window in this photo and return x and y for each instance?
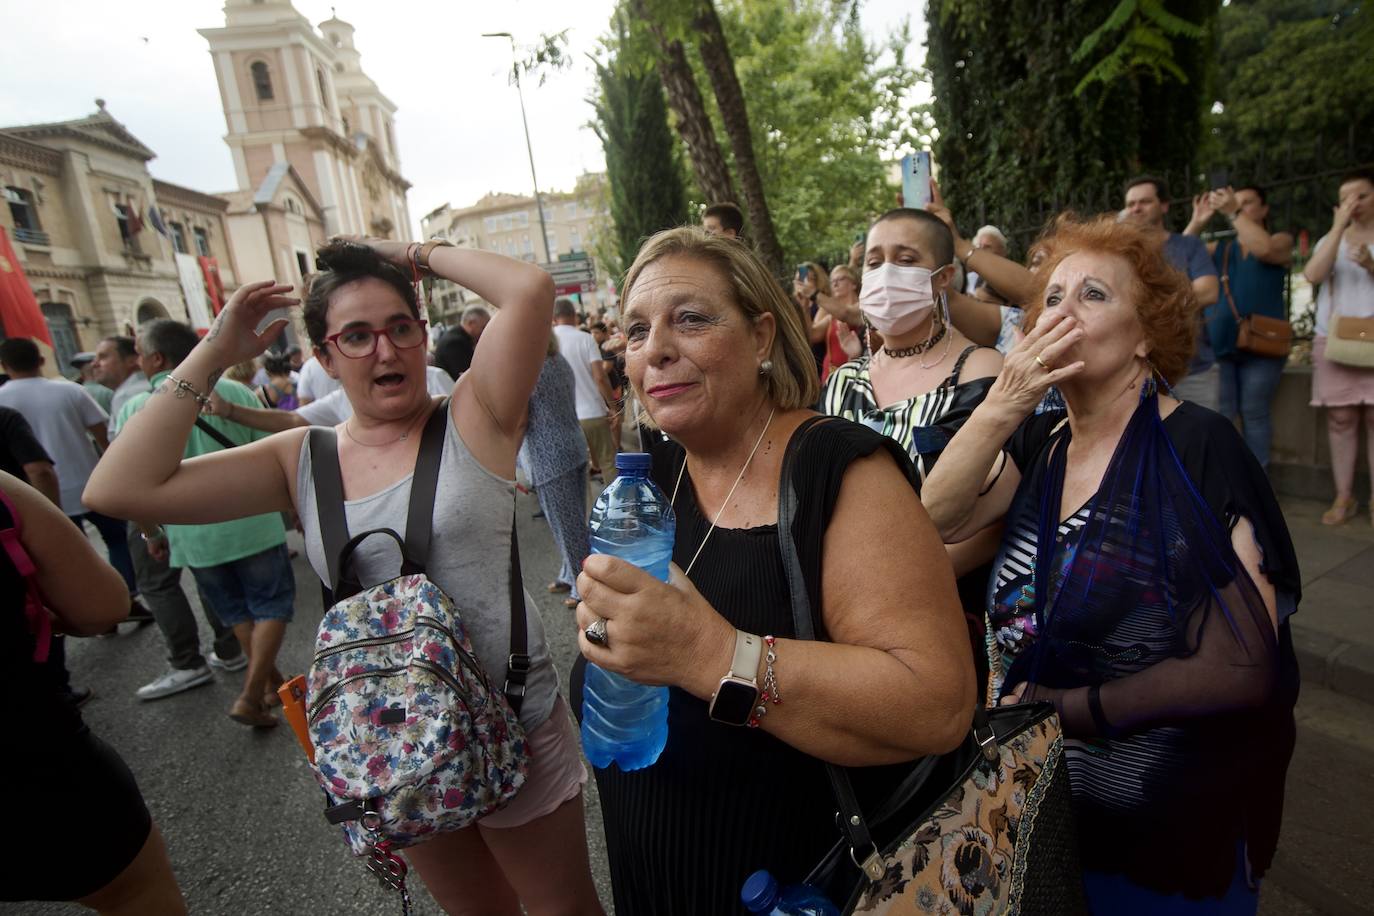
(262, 81)
(324, 87)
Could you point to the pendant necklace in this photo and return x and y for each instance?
(721, 511)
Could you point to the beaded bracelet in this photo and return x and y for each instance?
(182, 387)
(770, 684)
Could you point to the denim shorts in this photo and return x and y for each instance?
(257, 587)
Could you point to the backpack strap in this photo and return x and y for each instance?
(39, 625)
(424, 487)
(329, 502)
(518, 665)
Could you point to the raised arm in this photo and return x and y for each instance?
(260, 418)
(979, 321)
(973, 483)
(1324, 258)
(848, 312)
(507, 360)
(1271, 248)
(1014, 282)
(143, 475)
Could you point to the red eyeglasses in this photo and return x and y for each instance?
(361, 342)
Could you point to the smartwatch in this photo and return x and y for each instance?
(738, 693)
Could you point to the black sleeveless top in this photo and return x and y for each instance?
(722, 801)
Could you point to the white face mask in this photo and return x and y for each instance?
(896, 299)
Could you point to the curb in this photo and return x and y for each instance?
(1334, 663)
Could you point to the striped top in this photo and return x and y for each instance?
(922, 425)
(1167, 800)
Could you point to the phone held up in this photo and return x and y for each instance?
(916, 171)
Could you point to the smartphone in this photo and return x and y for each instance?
(1218, 179)
(803, 271)
(916, 180)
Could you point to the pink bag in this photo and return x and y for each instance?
(39, 623)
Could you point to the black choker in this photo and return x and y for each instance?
(919, 348)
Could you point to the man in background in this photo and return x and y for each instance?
(84, 363)
(453, 353)
(1147, 203)
(595, 400)
(723, 219)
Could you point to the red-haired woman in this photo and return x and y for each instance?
(1144, 582)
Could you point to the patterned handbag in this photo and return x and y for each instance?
(987, 828)
(411, 739)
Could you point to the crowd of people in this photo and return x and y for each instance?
(1032, 488)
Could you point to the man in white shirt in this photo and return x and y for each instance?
(65, 419)
(595, 401)
(330, 410)
(314, 383)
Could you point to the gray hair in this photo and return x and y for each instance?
(992, 231)
(473, 312)
(172, 340)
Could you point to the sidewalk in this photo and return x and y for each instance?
(1333, 630)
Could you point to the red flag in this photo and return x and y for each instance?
(18, 308)
(134, 217)
(213, 284)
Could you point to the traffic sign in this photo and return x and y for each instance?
(571, 272)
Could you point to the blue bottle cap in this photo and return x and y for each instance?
(633, 461)
(760, 891)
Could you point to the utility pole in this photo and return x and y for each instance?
(529, 148)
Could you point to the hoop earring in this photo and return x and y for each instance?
(766, 367)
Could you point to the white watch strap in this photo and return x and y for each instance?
(748, 651)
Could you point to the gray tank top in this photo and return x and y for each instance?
(469, 558)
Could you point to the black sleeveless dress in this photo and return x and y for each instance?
(722, 802)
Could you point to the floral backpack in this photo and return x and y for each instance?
(410, 737)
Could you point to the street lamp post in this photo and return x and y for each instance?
(538, 200)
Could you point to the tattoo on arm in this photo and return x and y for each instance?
(214, 379)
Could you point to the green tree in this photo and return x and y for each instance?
(1018, 142)
(828, 111)
(1292, 76)
(642, 161)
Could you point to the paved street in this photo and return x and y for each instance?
(242, 815)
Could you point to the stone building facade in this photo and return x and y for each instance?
(509, 224)
(298, 96)
(80, 214)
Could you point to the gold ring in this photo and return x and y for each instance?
(1042, 363)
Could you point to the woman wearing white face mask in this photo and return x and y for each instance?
(925, 379)
(927, 376)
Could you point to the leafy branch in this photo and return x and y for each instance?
(1147, 45)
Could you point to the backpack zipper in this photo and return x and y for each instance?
(334, 688)
(464, 657)
(363, 643)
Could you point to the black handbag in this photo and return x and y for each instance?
(986, 828)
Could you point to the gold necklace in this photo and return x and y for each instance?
(405, 435)
(721, 511)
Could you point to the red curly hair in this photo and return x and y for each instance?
(1164, 301)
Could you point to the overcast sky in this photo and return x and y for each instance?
(457, 124)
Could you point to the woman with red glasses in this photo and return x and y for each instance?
(363, 318)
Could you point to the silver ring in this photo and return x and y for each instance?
(596, 633)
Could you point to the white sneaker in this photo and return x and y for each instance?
(175, 681)
(237, 663)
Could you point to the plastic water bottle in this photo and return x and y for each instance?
(624, 722)
(761, 894)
